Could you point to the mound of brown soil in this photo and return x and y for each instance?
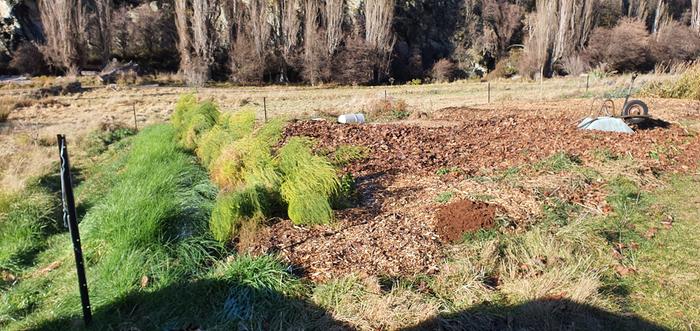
(463, 216)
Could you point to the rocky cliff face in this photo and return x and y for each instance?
(19, 21)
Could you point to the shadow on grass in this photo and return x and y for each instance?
(203, 305)
(542, 314)
(210, 305)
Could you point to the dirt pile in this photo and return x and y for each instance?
(464, 216)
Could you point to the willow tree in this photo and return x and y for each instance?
(103, 14)
(379, 35)
(64, 26)
(195, 22)
(334, 13)
(695, 16)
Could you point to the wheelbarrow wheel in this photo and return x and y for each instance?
(635, 108)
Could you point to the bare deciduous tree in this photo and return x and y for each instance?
(695, 16)
(258, 25)
(501, 19)
(103, 11)
(638, 9)
(291, 26)
(64, 28)
(315, 54)
(195, 21)
(183, 34)
(661, 17)
(379, 35)
(334, 24)
(541, 27)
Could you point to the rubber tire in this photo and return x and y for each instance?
(632, 103)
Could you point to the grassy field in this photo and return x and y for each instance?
(145, 200)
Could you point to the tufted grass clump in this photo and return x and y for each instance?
(687, 86)
(248, 160)
(232, 208)
(228, 128)
(309, 182)
(192, 120)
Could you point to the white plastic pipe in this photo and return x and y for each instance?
(351, 118)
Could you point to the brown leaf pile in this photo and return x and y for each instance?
(393, 230)
(494, 143)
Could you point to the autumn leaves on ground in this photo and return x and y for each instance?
(493, 216)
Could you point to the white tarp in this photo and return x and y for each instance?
(609, 124)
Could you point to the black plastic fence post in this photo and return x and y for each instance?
(70, 220)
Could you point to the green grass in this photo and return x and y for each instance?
(444, 197)
(151, 223)
(666, 286)
(558, 162)
(447, 171)
(345, 154)
(558, 212)
(97, 142)
(25, 220)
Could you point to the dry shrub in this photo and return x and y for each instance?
(507, 67)
(388, 108)
(353, 64)
(575, 65)
(685, 87)
(27, 59)
(245, 64)
(8, 104)
(128, 78)
(5, 109)
(626, 47)
(444, 70)
(675, 42)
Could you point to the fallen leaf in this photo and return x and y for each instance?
(624, 271)
(51, 267)
(651, 233)
(8, 277)
(144, 281)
